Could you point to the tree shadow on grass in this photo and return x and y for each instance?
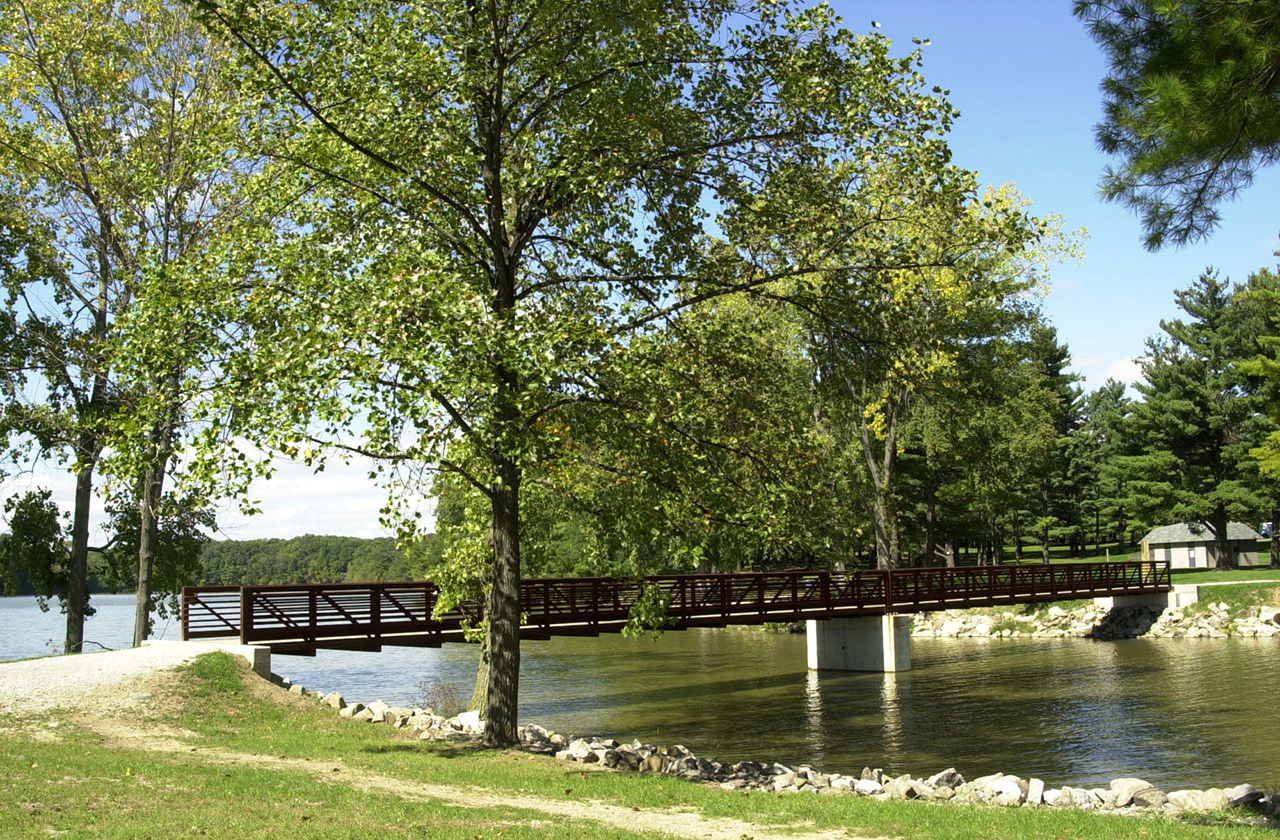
(442, 750)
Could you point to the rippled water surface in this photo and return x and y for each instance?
(1179, 713)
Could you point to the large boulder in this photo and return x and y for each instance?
(903, 787)
(1150, 798)
(867, 787)
(1212, 799)
(1243, 796)
(949, 777)
(470, 722)
(1124, 789)
(654, 764)
(579, 749)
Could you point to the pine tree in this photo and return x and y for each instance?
(1195, 425)
(1190, 105)
(1257, 322)
(1094, 447)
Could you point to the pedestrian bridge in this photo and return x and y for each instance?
(857, 619)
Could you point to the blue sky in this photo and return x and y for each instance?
(1025, 77)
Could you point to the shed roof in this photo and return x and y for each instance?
(1197, 532)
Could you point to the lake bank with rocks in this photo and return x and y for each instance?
(1130, 796)
(1203, 620)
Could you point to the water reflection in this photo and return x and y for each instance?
(891, 720)
(815, 727)
(1068, 711)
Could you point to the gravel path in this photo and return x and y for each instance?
(37, 685)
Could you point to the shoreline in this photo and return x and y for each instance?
(1129, 796)
(1207, 619)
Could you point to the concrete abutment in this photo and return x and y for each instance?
(871, 643)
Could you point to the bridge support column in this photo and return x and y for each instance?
(872, 643)
(1179, 596)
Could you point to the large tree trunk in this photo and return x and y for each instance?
(78, 573)
(931, 530)
(1017, 536)
(1224, 558)
(503, 613)
(1275, 537)
(148, 535)
(151, 492)
(881, 456)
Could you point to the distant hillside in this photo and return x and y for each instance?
(307, 559)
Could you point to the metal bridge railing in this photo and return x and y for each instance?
(364, 616)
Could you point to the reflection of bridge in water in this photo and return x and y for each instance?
(857, 619)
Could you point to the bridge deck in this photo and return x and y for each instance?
(366, 616)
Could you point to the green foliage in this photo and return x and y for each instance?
(182, 533)
(1096, 445)
(906, 330)
(35, 549)
(1260, 298)
(1190, 105)
(120, 159)
(1198, 420)
(306, 559)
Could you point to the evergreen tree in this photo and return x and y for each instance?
(1053, 498)
(1195, 424)
(1257, 305)
(1191, 105)
(1095, 445)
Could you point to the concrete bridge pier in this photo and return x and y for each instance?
(871, 643)
(1178, 596)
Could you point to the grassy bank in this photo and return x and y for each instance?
(1181, 576)
(217, 753)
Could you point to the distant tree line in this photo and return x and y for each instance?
(306, 559)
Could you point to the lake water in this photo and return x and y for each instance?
(1177, 712)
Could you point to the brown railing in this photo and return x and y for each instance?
(300, 619)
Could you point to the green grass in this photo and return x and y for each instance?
(1061, 554)
(1181, 576)
(1241, 596)
(74, 783)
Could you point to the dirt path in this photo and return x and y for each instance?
(673, 822)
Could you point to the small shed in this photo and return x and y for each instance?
(1192, 546)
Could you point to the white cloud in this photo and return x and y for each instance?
(1096, 370)
(342, 500)
(1127, 371)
